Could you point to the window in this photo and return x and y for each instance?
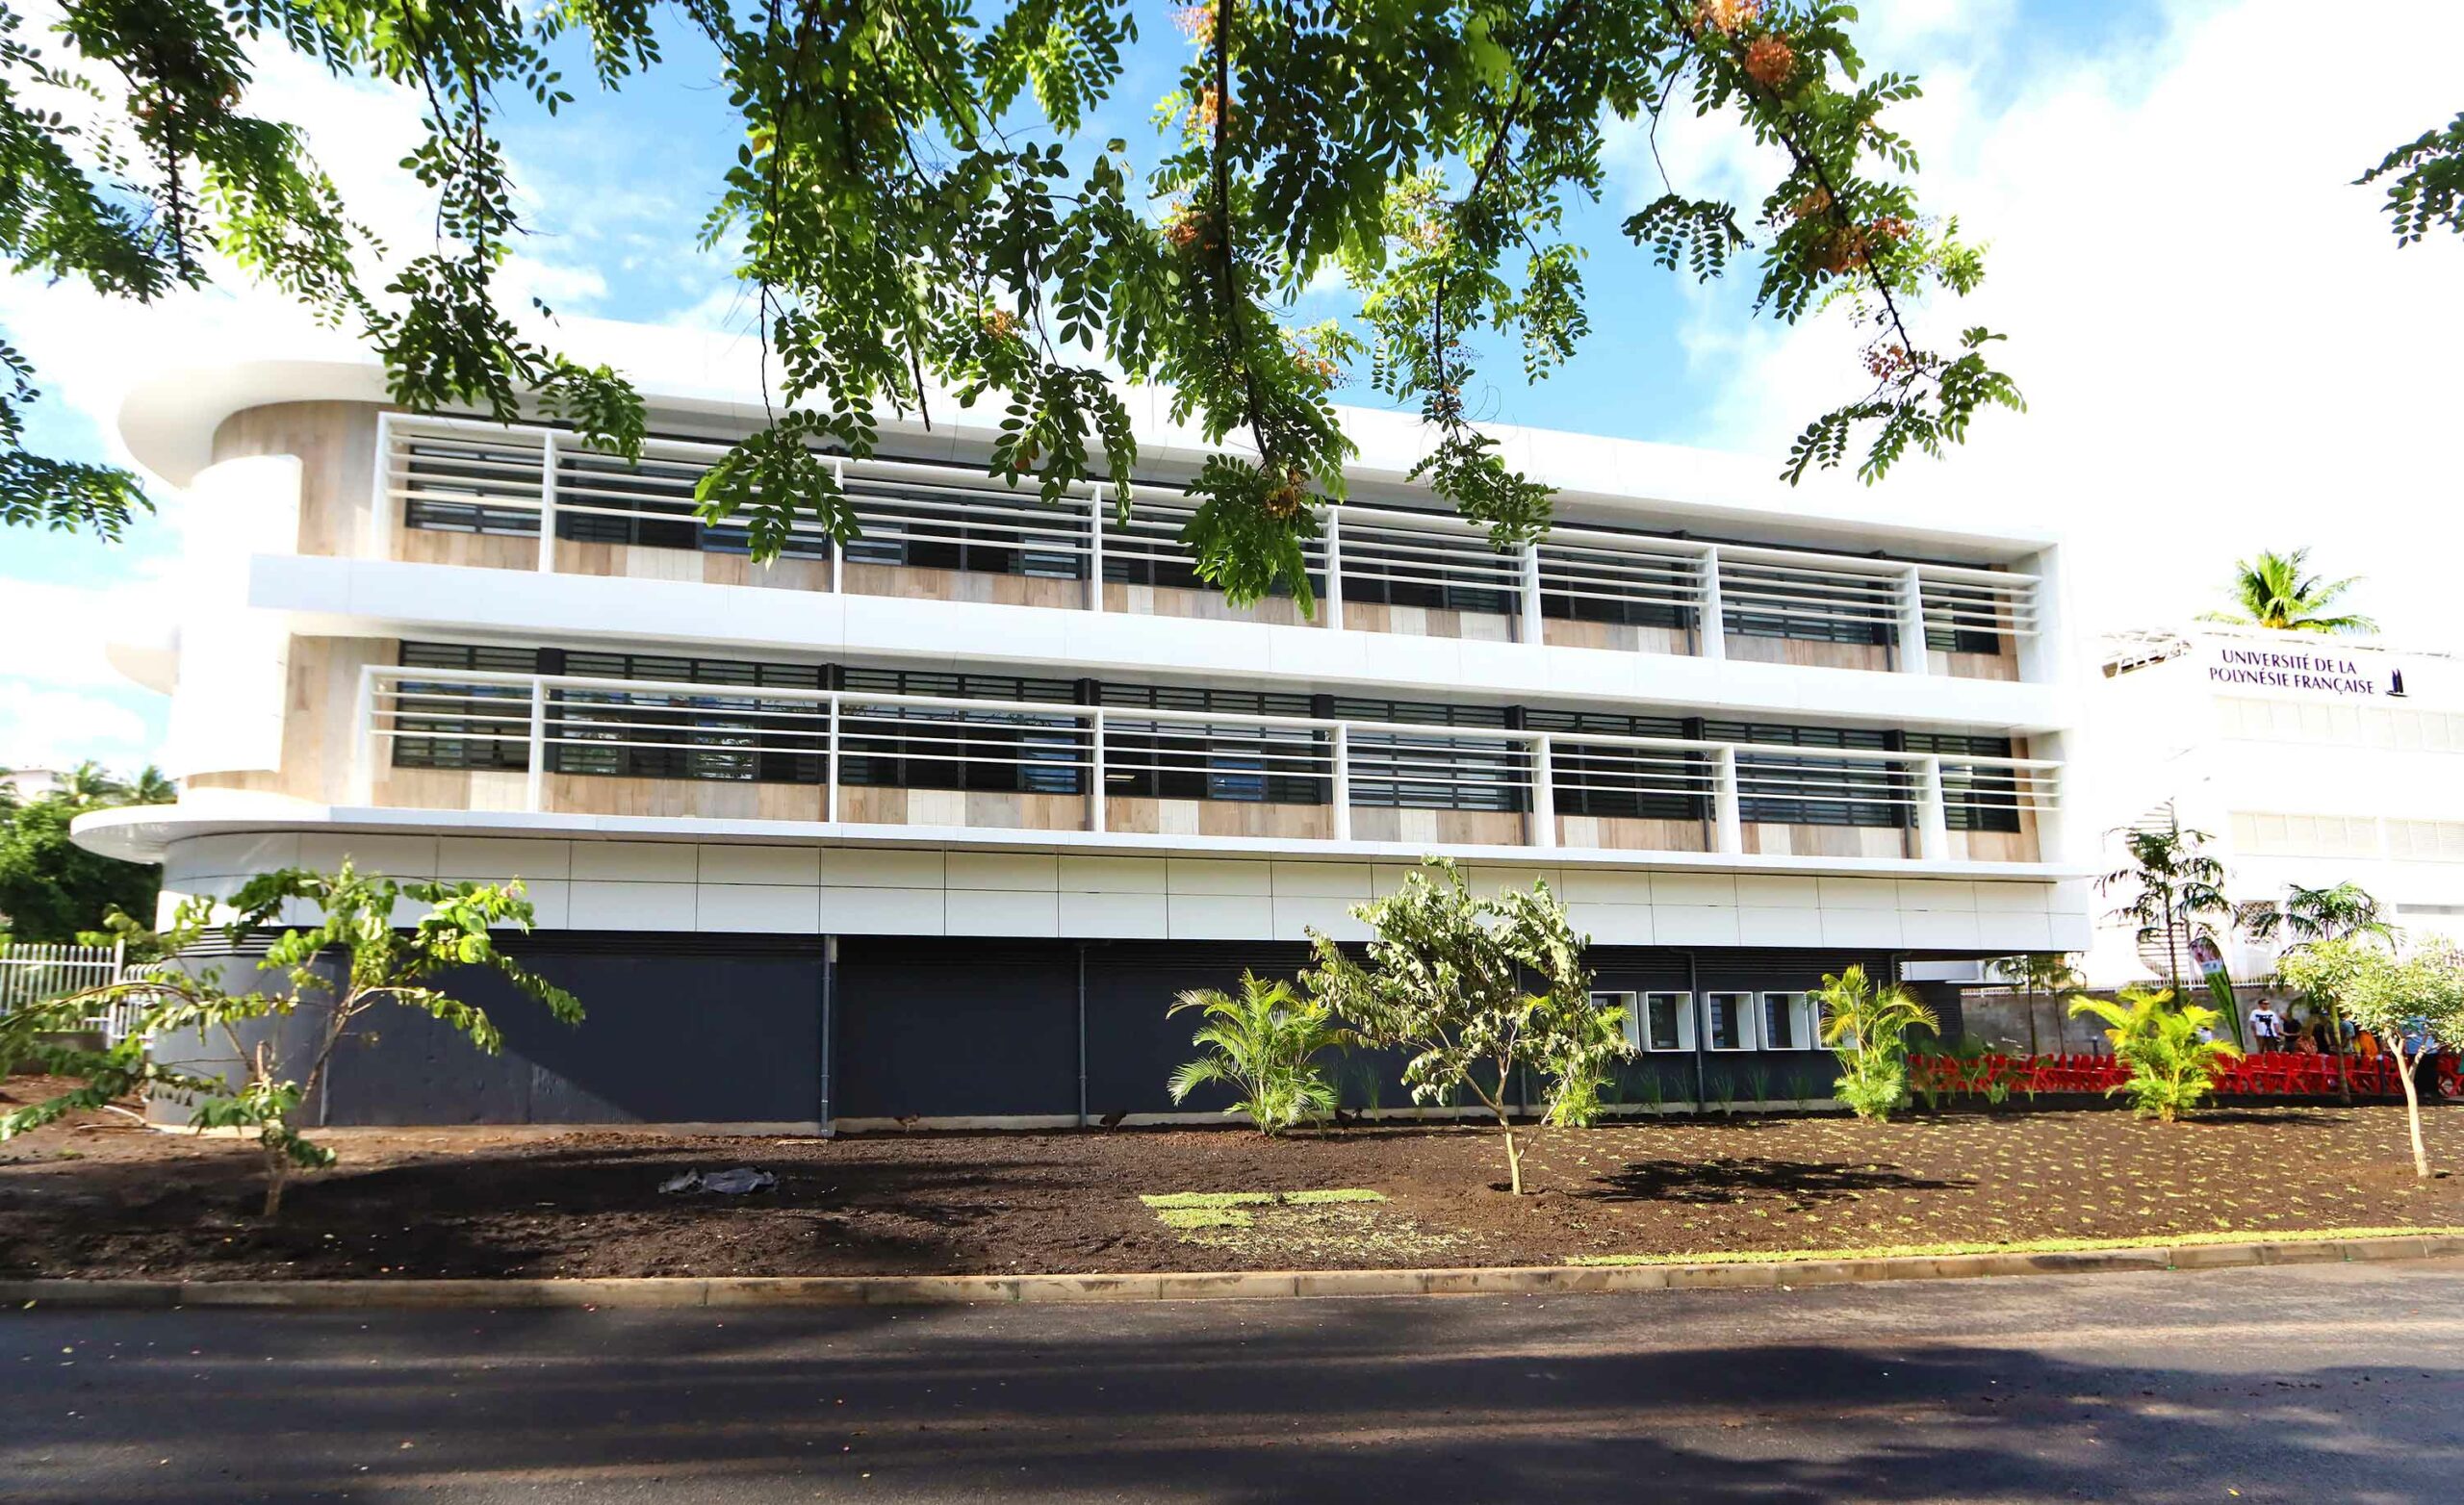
(1973, 798)
(1667, 1023)
(1790, 1022)
(1632, 1022)
(1727, 1018)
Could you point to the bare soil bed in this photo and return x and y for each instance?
(102, 1196)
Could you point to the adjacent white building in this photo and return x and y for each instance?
(2309, 760)
(934, 826)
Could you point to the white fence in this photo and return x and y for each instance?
(32, 974)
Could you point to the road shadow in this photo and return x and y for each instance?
(1726, 1179)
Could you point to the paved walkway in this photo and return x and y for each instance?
(2296, 1384)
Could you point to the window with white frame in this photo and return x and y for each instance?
(1624, 1002)
(1664, 1023)
(1791, 1022)
(1727, 1021)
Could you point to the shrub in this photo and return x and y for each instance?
(2172, 1069)
(1264, 1044)
(2412, 1005)
(1866, 1025)
(365, 959)
(1444, 981)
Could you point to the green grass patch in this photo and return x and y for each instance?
(2019, 1246)
(1183, 1200)
(1213, 1199)
(1189, 1217)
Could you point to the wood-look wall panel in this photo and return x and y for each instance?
(1630, 833)
(1171, 600)
(335, 444)
(1772, 839)
(1808, 653)
(962, 585)
(1566, 632)
(1429, 622)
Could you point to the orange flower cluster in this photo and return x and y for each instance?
(1725, 17)
(1202, 113)
(1284, 502)
(1000, 325)
(1886, 361)
(1196, 22)
(1813, 206)
(1769, 63)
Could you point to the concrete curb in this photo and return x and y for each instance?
(856, 1291)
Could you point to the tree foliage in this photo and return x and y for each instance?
(2274, 591)
(2038, 972)
(53, 891)
(921, 200)
(1866, 1025)
(1264, 1043)
(353, 958)
(1478, 991)
(2424, 180)
(2413, 1002)
(2173, 1065)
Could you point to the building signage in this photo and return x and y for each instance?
(2322, 671)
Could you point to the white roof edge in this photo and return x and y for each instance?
(140, 834)
(169, 424)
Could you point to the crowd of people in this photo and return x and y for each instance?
(2314, 1033)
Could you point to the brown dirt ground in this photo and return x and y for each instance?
(101, 1196)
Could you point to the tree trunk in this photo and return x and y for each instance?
(277, 1168)
(2412, 1112)
(1513, 1157)
(2032, 1021)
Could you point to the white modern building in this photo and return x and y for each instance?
(936, 825)
(2307, 761)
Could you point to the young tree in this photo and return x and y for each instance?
(2047, 972)
(2172, 1066)
(1264, 1044)
(350, 960)
(1450, 980)
(2413, 1005)
(1867, 1023)
(2311, 915)
(2176, 891)
(2272, 592)
(933, 195)
(53, 891)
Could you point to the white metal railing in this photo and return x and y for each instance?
(463, 474)
(535, 725)
(34, 972)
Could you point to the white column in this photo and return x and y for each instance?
(830, 755)
(837, 573)
(1334, 600)
(363, 774)
(1932, 831)
(1912, 624)
(1341, 751)
(380, 496)
(547, 506)
(1095, 552)
(1544, 795)
(1534, 628)
(1712, 621)
(1728, 826)
(537, 782)
(1095, 771)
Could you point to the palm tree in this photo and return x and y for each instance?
(1866, 1024)
(150, 787)
(2173, 1068)
(2274, 592)
(2042, 972)
(2174, 886)
(1262, 1043)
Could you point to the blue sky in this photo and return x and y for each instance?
(2222, 350)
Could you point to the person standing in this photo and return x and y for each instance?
(2264, 1026)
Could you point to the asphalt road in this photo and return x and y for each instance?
(2302, 1384)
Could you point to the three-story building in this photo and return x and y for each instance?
(933, 827)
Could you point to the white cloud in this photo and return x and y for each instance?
(2222, 347)
(47, 727)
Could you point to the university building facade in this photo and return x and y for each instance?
(932, 827)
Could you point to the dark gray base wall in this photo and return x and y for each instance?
(730, 1029)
